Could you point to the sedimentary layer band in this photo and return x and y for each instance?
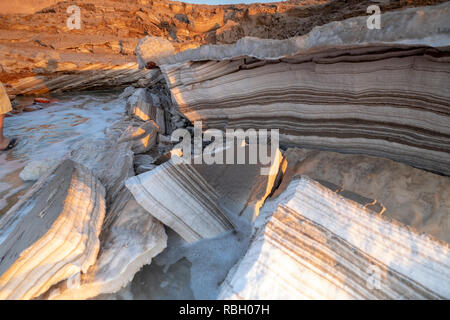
(383, 93)
(319, 245)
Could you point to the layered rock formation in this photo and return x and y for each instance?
(412, 196)
(38, 53)
(143, 136)
(319, 245)
(52, 233)
(242, 188)
(146, 105)
(340, 87)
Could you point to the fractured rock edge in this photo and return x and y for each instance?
(225, 88)
(398, 28)
(129, 241)
(52, 233)
(193, 213)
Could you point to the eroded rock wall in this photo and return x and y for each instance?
(341, 87)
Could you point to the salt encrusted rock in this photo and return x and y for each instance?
(138, 104)
(37, 168)
(151, 78)
(319, 245)
(412, 196)
(145, 106)
(242, 189)
(144, 163)
(377, 92)
(152, 49)
(179, 197)
(110, 161)
(419, 26)
(142, 136)
(87, 75)
(192, 198)
(144, 168)
(52, 233)
(128, 91)
(130, 239)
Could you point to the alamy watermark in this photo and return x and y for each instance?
(74, 20)
(232, 146)
(373, 280)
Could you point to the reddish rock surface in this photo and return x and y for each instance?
(38, 53)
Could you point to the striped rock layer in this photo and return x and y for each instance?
(415, 197)
(179, 197)
(341, 87)
(130, 239)
(319, 245)
(52, 233)
(96, 75)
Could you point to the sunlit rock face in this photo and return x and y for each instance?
(52, 233)
(317, 244)
(242, 188)
(80, 76)
(147, 105)
(412, 196)
(110, 160)
(341, 87)
(196, 199)
(178, 196)
(130, 239)
(39, 53)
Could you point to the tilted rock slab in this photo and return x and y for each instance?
(142, 136)
(319, 245)
(130, 238)
(412, 196)
(178, 196)
(52, 233)
(341, 87)
(146, 106)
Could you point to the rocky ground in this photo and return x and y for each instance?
(353, 204)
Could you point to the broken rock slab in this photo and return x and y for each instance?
(52, 233)
(412, 196)
(319, 245)
(130, 238)
(196, 199)
(110, 161)
(144, 105)
(322, 90)
(242, 188)
(179, 196)
(143, 136)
